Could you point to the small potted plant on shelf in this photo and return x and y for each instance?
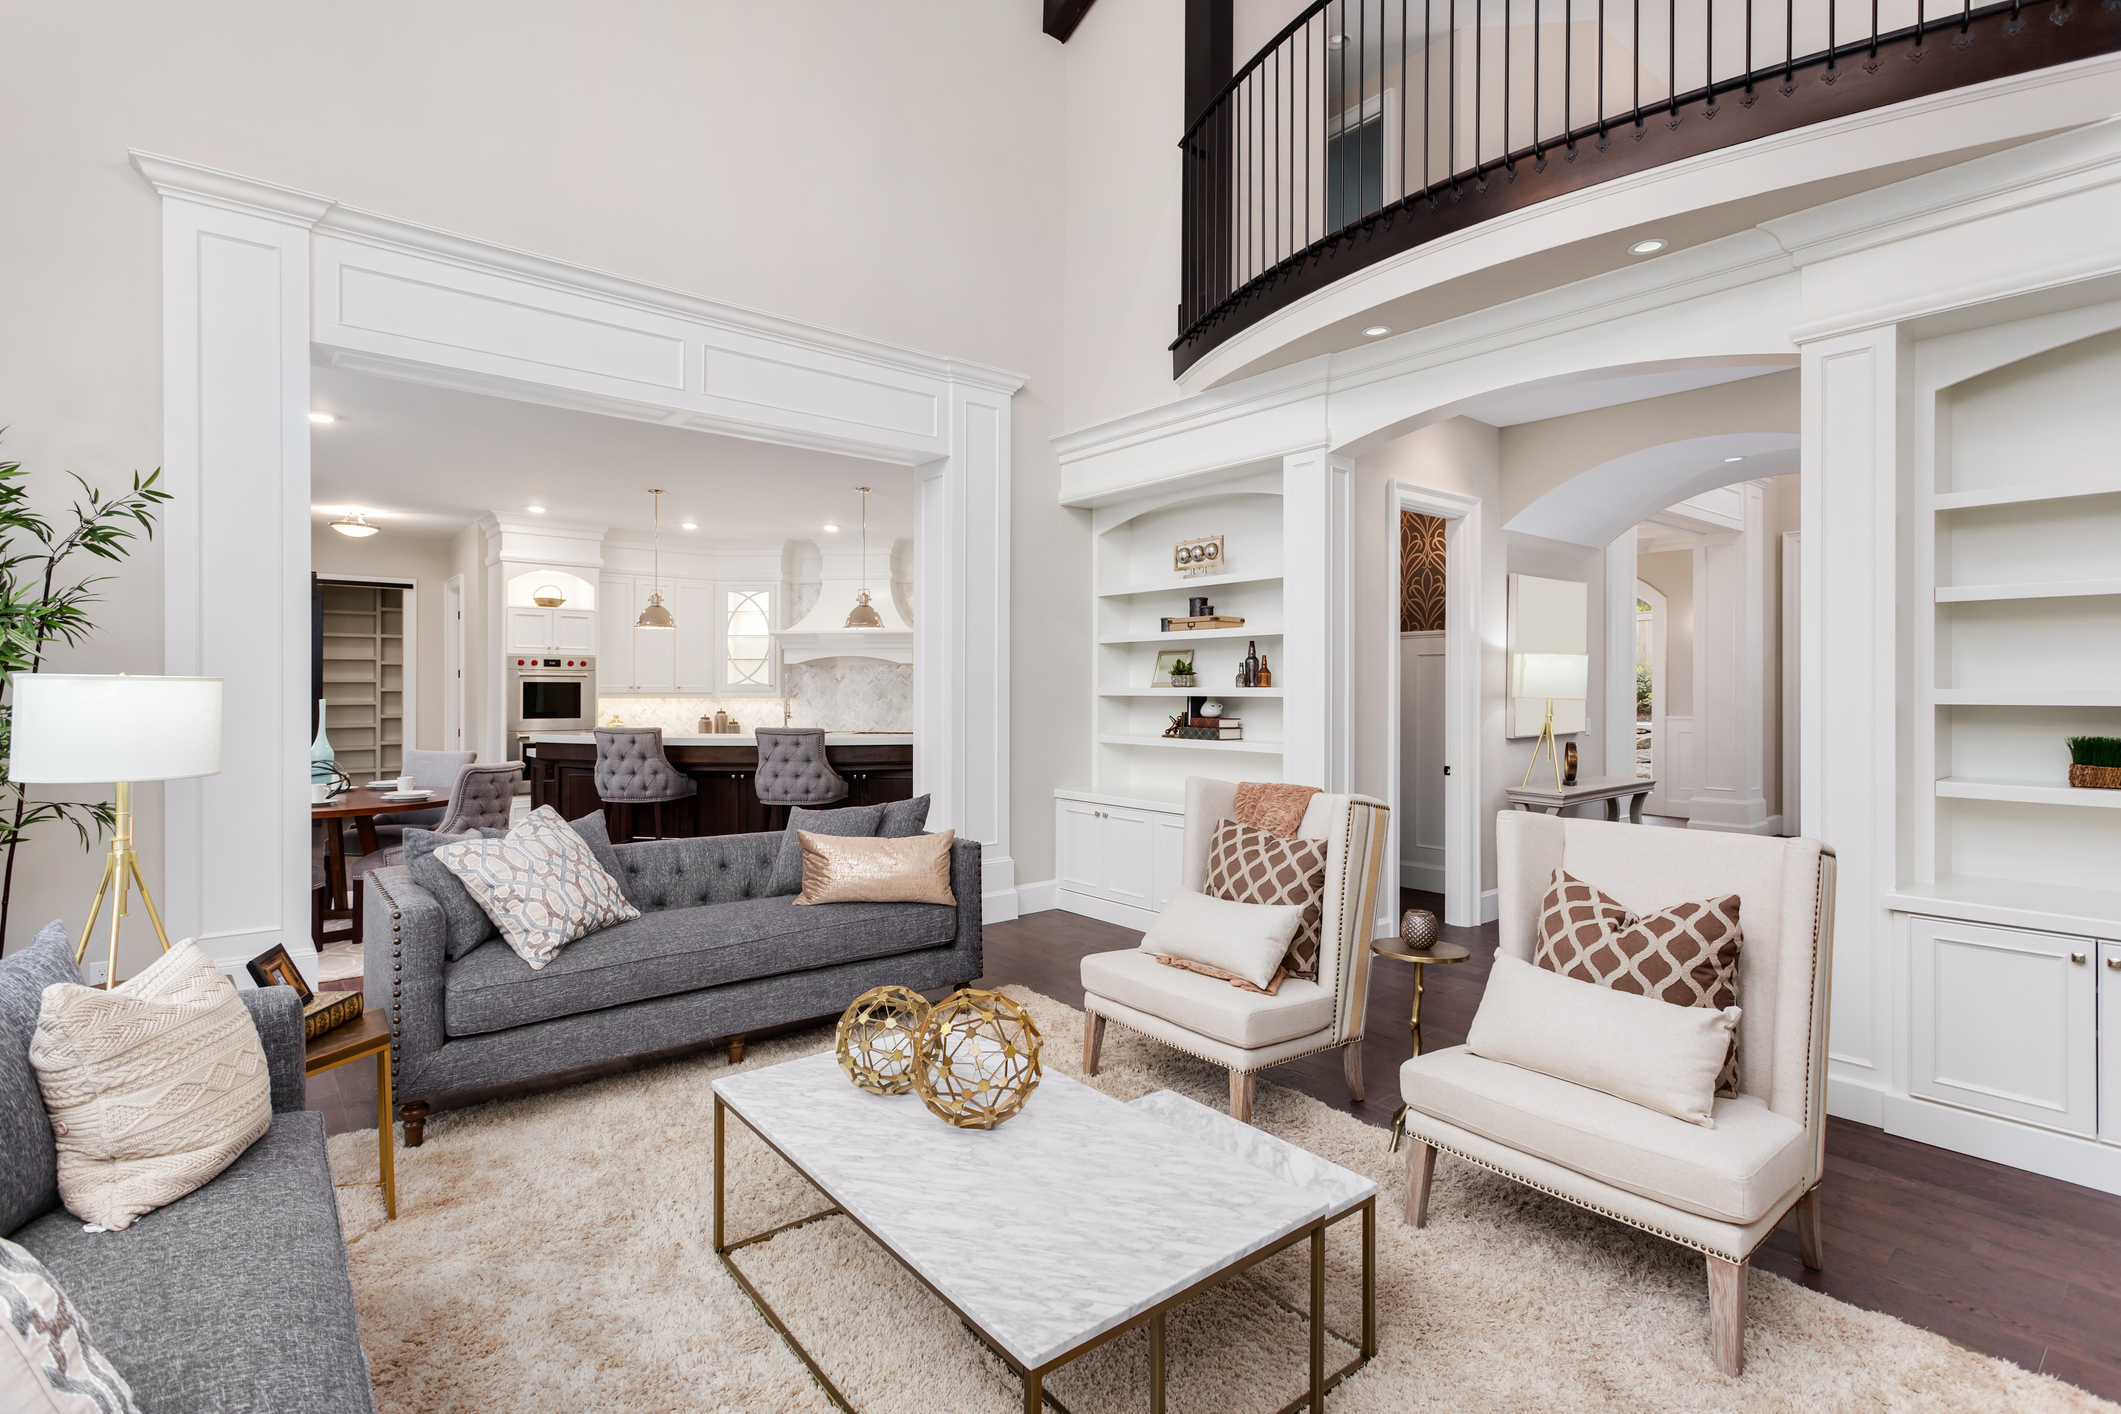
(2095, 761)
(1182, 674)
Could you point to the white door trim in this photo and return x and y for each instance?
(1664, 761)
(259, 278)
(452, 664)
(1461, 691)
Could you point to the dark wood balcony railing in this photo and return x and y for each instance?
(1350, 138)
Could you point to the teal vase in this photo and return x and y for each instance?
(322, 760)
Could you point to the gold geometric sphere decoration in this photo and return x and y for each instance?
(979, 1059)
(878, 1039)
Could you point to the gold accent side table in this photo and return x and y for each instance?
(1395, 947)
(1435, 952)
(367, 1035)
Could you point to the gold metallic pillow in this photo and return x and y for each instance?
(853, 869)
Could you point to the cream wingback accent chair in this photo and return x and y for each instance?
(1247, 1031)
(1719, 1191)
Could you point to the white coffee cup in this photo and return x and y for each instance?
(407, 783)
(319, 792)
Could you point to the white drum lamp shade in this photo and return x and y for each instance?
(1564, 675)
(76, 729)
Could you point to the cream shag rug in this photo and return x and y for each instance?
(556, 1253)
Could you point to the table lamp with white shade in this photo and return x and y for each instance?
(1549, 675)
(78, 729)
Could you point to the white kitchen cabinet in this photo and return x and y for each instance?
(2005, 1020)
(647, 661)
(655, 658)
(536, 630)
(1119, 860)
(2110, 1042)
(615, 614)
(693, 604)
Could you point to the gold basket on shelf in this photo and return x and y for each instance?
(548, 596)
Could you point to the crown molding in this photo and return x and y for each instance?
(191, 181)
(210, 186)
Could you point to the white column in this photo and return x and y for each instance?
(961, 637)
(1620, 655)
(235, 556)
(1316, 670)
(1730, 704)
(1850, 688)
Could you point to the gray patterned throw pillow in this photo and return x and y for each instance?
(48, 1351)
(540, 884)
(465, 923)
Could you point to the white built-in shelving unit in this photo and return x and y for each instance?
(1136, 588)
(2010, 878)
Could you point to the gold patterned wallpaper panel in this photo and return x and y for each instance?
(1420, 572)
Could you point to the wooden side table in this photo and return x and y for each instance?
(366, 1035)
(1623, 796)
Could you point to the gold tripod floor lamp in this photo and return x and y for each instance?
(1549, 675)
(78, 729)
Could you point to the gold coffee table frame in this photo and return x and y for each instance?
(1035, 1395)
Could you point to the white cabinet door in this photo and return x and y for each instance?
(698, 630)
(529, 630)
(1167, 857)
(574, 630)
(655, 659)
(1128, 876)
(1079, 827)
(2004, 1020)
(615, 612)
(2110, 1042)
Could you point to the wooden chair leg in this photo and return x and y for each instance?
(1093, 1041)
(359, 889)
(1811, 1237)
(1727, 1313)
(414, 1115)
(1244, 1084)
(736, 1049)
(1351, 1062)
(1421, 1172)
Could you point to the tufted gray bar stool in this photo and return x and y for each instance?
(632, 770)
(793, 770)
(481, 797)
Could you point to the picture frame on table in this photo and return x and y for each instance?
(276, 969)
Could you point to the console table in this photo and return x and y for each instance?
(1610, 789)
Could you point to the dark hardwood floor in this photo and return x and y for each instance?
(2003, 1261)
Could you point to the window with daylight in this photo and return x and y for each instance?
(747, 651)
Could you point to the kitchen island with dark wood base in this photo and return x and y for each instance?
(562, 769)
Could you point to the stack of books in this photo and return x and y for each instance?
(1211, 729)
(327, 1011)
(1202, 621)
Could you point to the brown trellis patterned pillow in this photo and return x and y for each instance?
(1249, 865)
(1686, 954)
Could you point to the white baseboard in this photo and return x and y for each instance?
(1856, 1101)
(1000, 906)
(1490, 910)
(2023, 1146)
(1426, 877)
(1038, 897)
(1104, 910)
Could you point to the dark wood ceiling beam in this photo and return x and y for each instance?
(1062, 16)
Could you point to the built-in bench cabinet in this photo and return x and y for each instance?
(2007, 1021)
(1119, 858)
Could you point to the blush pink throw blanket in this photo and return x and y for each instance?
(1272, 806)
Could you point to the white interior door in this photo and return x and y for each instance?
(1421, 760)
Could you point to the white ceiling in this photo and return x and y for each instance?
(1593, 508)
(429, 461)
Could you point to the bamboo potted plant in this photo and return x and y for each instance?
(2095, 761)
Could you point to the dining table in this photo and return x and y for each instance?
(361, 804)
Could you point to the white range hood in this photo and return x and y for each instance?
(823, 632)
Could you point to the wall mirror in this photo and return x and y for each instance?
(1546, 616)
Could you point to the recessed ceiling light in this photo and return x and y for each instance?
(1336, 41)
(689, 525)
(1734, 459)
(832, 527)
(322, 417)
(535, 510)
(1375, 331)
(1648, 247)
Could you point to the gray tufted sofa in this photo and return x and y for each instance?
(720, 949)
(235, 1297)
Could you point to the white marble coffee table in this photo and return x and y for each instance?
(1110, 1214)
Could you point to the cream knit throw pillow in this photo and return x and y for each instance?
(153, 1089)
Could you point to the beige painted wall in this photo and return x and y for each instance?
(905, 182)
(423, 560)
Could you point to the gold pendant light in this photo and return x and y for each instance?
(862, 615)
(655, 615)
